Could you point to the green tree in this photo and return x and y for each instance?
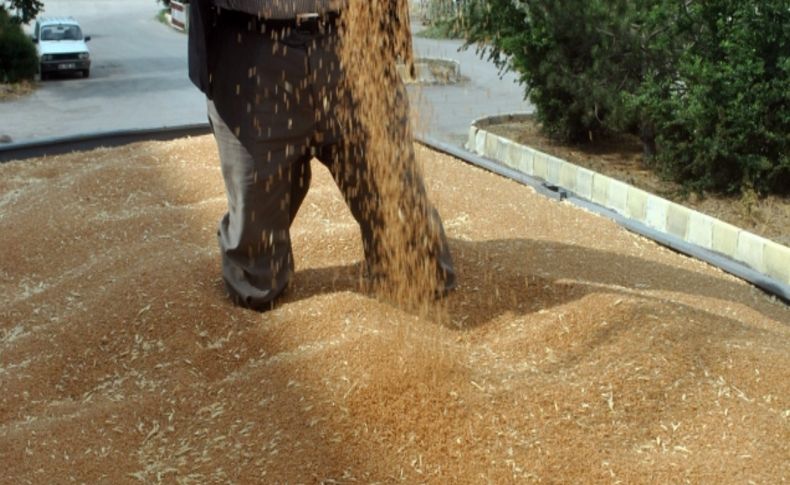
(24, 10)
(18, 58)
(723, 118)
(703, 83)
(579, 60)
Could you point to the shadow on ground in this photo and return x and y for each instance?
(498, 277)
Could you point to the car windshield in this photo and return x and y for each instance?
(61, 32)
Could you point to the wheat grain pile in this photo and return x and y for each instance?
(572, 352)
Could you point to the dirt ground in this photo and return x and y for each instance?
(13, 91)
(621, 158)
(9, 92)
(572, 352)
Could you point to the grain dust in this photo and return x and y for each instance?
(579, 352)
(375, 37)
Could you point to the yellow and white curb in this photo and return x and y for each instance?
(762, 255)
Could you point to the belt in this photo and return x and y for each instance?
(308, 17)
(310, 22)
(314, 22)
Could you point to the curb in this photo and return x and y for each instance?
(427, 77)
(700, 230)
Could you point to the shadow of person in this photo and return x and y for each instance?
(524, 276)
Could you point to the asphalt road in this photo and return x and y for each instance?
(139, 80)
(445, 112)
(138, 77)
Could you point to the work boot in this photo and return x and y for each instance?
(240, 301)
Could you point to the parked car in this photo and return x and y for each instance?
(61, 46)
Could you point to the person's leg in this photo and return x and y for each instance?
(347, 155)
(348, 162)
(263, 125)
(253, 235)
(300, 184)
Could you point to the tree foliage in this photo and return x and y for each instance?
(24, 10)
(579, 59)
(703, 83)
(18, 57)
(723, 117)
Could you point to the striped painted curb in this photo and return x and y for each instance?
(762, 255)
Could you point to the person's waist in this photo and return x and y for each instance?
(298, 21)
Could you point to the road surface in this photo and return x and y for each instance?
(138, 77)
(139, 80)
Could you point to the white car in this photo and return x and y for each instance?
(61, 46)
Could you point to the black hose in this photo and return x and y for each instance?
(742, 271)
(58, 146)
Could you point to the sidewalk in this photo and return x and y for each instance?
(446, 112)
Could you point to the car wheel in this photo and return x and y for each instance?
(86, 73)
(43, 74)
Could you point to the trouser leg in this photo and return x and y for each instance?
(264, 193)
(427, 219)
(348, 162)
(347, 156)
(262, 122)
(427, 231)
(428, 222)
(353, 178)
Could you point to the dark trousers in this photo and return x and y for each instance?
(275, 107)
